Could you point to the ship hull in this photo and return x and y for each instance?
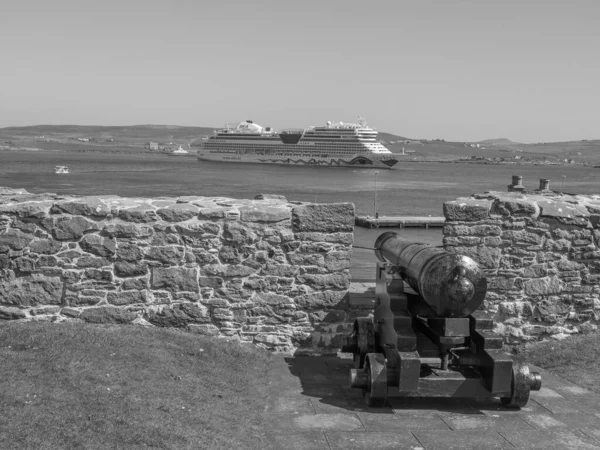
(385, 161)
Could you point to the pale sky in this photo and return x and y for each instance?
(528, 70)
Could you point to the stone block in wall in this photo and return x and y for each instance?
(453, 229)
(179, 315)
(280, 270)
(128, 251)
(467, 210)
(325, 218)
(500, 283)
(325, 281)
(36, 210)
(31, 290)
(138, 214)
(45, 246)
(11, 313)
(178, 212)
(107, 314)
(522, 237)
(461, 240)
(344, 238)
(14, 240)
(126, 297)
(98, 245)
(69, 227)
(269, 298)
(85, 206)
(127, 230)
(86, 261)
(239, 234)
(174, 279)
(322, 299)
(337, 260)
(227, 270)
(515, 205)
(535, 271)
(27, 227)
(125, 269)
(170, 255)
(264, 214)
(542, 286)
(488, 258)
(563, 210)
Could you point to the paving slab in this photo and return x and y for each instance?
(307, 440)
(551, 440)
(296, 405)
(593, 432)
(298, 422)
(495, 408)
(395, 422)
(462, 440)
(562, 405)
(373, 440)
(342, 405)
(575, 392)
(431, 405)
(545, 392)
(483, 422)
(544, 421)
(579, 420)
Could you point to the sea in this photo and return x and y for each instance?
(411, 189)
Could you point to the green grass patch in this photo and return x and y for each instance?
(576, 359)
(83, 386)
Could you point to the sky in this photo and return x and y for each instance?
(527, 70)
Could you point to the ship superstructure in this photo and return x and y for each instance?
(335, 144)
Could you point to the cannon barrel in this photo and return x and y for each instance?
(451, 285)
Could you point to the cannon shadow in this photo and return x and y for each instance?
(324, 380)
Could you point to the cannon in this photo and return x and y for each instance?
(426, 336)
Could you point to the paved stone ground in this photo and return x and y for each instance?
(311, 407)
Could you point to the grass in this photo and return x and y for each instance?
(576, 359)
(85, 387)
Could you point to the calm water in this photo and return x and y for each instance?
(411, 189)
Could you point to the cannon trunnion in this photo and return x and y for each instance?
(432, 342)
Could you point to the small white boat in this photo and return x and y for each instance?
(179, 151)
(61, 169)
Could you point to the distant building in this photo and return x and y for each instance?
(153, 145)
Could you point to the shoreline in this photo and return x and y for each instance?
(193, 155)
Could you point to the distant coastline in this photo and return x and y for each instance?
(158, 139)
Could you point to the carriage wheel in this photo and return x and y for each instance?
(365, 335)
(375, 391)
(523, 382)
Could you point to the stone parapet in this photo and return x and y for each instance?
(267, 271)
(541, 253)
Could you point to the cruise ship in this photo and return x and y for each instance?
(335, 144)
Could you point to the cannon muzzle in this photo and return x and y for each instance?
(451, 285)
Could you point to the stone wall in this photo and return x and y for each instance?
(267, 271)
(541, 253)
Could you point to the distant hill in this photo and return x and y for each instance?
(149, 131)
(87, 137)
(392, 137)
(499, 141)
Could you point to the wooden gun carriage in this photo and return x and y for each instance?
(432, 342)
